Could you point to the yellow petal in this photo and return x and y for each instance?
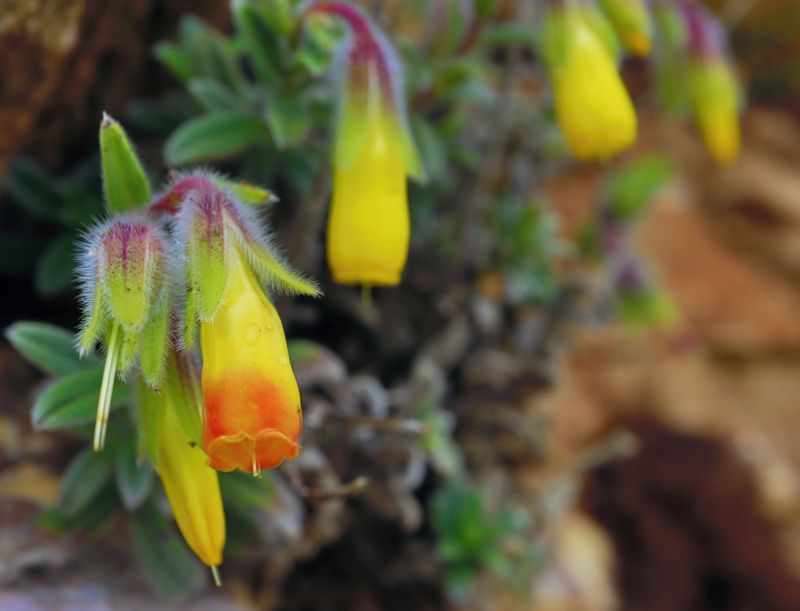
(192, 488)
(368, 228)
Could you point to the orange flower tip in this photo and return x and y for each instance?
(215, 576)
(268, 449)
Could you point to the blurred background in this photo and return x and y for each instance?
(538, 417)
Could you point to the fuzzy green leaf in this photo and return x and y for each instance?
(148, 406)
(213, 96)
(84, 478)
(32, 188)
(174, 59)
(259, 42)
(174, 570)
(71, 401)
(208, 269)
(134, 477)
(129, 351)
(125, 184)
(633, 186)
(183, 384)
(153, 346)
(215, 136)
(288, 123)
(50, 348)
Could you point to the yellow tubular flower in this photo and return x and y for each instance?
(593, 108)
(252, 402)
(192, 487)
(713, 87)
(368, 230)
(369, 227)
(631, 21)
(714, 98)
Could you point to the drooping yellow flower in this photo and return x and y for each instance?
(714, 94)
(592, 106)
(631, 21)
(192, 487)
(712, 83)
(368, 227)
(252, 404)
(252, 418)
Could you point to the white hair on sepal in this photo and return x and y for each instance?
(264, 254)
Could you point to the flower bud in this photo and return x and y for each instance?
(713, 87)
(125, 184)
(125, 299)
(368, 229)
(592, 107)
(631, 21)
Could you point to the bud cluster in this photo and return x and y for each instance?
(194, 256)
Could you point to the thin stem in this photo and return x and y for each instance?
(366, 295)
(215, 575)
(106, 388)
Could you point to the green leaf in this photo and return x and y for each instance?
(18, 251)
(634, 185)
(148, 405)
(244, 490)
(81, 204)
(183, 386)
(160, 115)
(174, 59)
(213, 96)
(50, 348)
(84, 478)
(32, 188)
(154, 345)
(125, 184)
(288, 123)
(508, 34)
(134, 477)
(174, 570)
(260, 43)
(71, 400)
(54, 268)
(214, 136)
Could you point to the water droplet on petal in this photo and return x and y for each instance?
(283, 360)
(252, 333)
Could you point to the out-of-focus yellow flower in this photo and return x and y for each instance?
(252, 403)
(715, 99)
(631, 21)
(368, 228)
(592, 106)
(192, 486)
(712, 83)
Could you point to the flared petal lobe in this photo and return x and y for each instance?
(192, 487)
(252, 403)
(369, 227)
